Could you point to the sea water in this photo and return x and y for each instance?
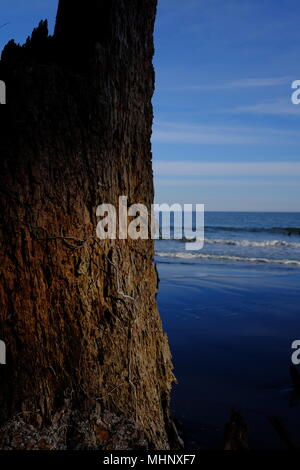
(232, 311)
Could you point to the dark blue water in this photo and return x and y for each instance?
(231, 318)
(243, 237)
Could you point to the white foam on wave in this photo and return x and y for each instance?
(266, 243)
(188, 255)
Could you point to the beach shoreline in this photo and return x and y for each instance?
(230, 328)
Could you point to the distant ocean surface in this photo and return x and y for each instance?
(242, 237)
(231, 312)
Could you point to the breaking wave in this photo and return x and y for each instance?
(191, 256)
(261, 244)
(282, 230)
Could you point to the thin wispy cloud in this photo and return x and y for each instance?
(168, 132)
(222, 182)
(237, 84)
(257, 82)
(193, 169)
(277, 107)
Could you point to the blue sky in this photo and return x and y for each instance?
(225, 133)
(22, 16)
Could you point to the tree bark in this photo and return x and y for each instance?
(78, 315)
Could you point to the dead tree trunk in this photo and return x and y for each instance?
(78, 316)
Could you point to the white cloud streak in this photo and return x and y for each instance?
(213, 169)
(222, 182)
(276, 107)
(168, 132)
(237, 84)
